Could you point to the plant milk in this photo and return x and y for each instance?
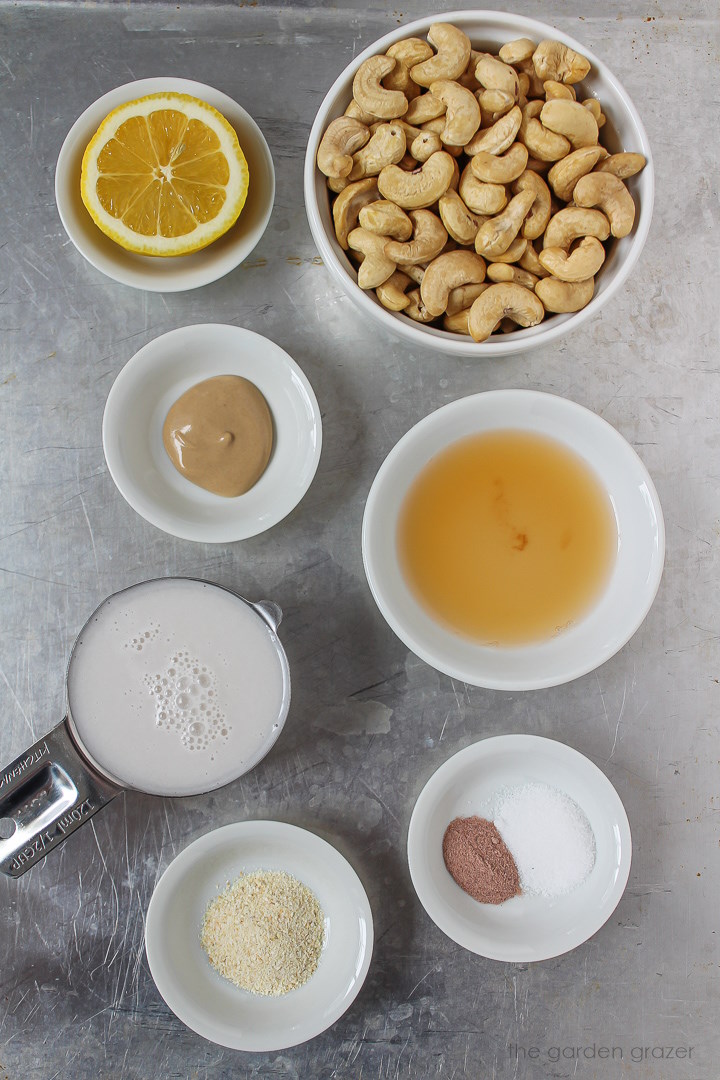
(177, 686)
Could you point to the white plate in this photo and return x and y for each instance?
(525, 928)
(213, 1006)
(629, 593)
(155, 378)
(175, 273)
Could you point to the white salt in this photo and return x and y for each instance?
(548, 835)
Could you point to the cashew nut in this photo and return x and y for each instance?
(555, 89)
(607, 191)
(501, 301)
(564, 296)
(357, 113)
(529, 261)
(343, 137)
(416, 309)
(337, 183)
(554, 60)
(376, 267)
(428, 240)
(371, 95)
(407, 53)
(348, 204)
(386, 219)
(493, 74)
(515, 51)
(622, 165)
(498, 138)
(514, 253)
(594, 106)
(497, 234)
(538, 215)
(386, 147)
(467, 79)
(461, 298)
(583, 263)
(457, 322)
(506, 272)
(424, 108)
(453, 52)
(541, 143)
(426, 144)
(479, 197)
(461, 224)
(565, 174)
(494, 104)
(572, 120)
(420, 188)
(573, 222)
(500, 168)
(391, 293)
(462, 116)
(448, 272)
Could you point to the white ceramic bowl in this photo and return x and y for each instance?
(623, 131)
(175, 273)
(628, 595)
(214, 1007)
(525, 928)
(154, 379)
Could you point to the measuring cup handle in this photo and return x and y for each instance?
(46, 793)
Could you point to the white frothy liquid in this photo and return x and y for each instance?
(177, 687)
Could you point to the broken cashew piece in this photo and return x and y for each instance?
(386, 219)
(376, 267)
(583, 263)
(371, 95)
(343, 137)
(554, 60)
(500, 168)
(498, 138)
(564, 297)
(448, 272)
(450, 61)
(459, 221)
(505, 300)
(462, 112)
(572, 120)
(428, 240)
(565, 174)
(622, 165)
(573, 222)
(497, 234)
(538, 215)
(386, 147)
(391, 293)
(347, 206)
(607, 191)
(421, 188)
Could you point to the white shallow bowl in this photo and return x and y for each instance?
(174, 273)
(527, 927)
(623, 131)
(214, 1007)
(154, 379)
(628, 595)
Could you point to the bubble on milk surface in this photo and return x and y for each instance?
(144, 637)
(186, 702)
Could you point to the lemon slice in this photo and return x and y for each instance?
(164, 175)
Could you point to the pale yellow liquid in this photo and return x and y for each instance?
(507, 537)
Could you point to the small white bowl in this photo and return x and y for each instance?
(214, 1007)
(175, 273)
(155, 378)
(525, 928)
(628, 595)
(624, 131)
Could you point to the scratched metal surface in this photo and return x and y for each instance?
(369, 723)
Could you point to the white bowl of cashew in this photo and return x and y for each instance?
(623, 131)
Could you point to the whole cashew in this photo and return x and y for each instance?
(343, 137)
(565, 174)
(421, 188)
(515, 51)
(572, 120)
(428, 240)
(371, 95)
(506, 300)
(564, 296)
(500, 168)
(457, 322)
(391, 293)
(416, 309)
(460, 223)
(479, 197)
(424, 108)
(514, 253)
(573, 222)
(541, 143)
(462, 116)
(448, 272)
(506, 272)
(493, 74)
(538, 215)
(622, 165)
(425, 145)
(498, 138)
(494, 104)
(462, 296)
(583, 263)
(529, 261)
(453, 52)
(594, 106)
(353, 110)
(386, 219)
(497, 234)
(386, 147)
(348, 204)
(376, 267)
(553, 60)
(555, 89)
(607, 191)
(407, 53)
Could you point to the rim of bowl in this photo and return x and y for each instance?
(82, 130)
(407, 636)
(442, 340)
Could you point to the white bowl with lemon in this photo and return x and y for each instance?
(165, 184)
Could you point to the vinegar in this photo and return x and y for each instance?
(507, 537)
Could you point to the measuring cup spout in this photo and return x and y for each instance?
(45, 795)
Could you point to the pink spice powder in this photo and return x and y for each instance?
(476, 856)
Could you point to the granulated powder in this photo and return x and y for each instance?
(478, 860)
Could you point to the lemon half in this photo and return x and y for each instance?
(164, 175)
